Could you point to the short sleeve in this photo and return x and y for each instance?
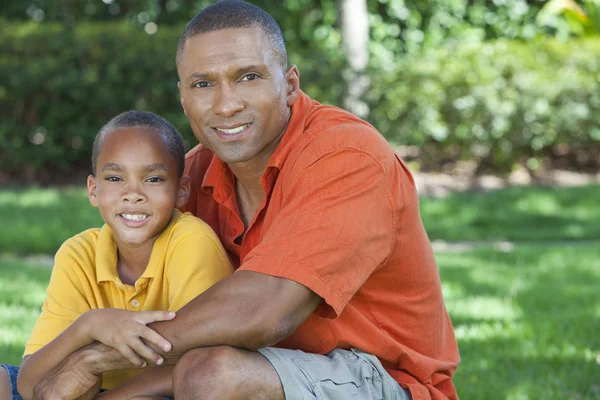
(65, 301)
(335, 227)
(197, 262)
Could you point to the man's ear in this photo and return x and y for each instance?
(91, 186)
(292, 78)
(183, 192)
(181, 98)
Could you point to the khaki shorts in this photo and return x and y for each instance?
(338, 375)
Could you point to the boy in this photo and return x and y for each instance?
(147, 256)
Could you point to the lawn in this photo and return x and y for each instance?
(527, 319)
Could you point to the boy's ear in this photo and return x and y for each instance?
(183, 193)
(91, 185)
(181, 98)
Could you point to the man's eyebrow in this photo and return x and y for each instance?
(239, 71)
(156, 167)
(111, 167)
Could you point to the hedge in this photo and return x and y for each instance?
(498, 102)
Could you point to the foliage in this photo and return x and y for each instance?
(497, 102)
(582, 21)
(60, 84)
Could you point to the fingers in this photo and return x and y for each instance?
(131, 356)
(146, 352)
(153, 337)
(147, 317)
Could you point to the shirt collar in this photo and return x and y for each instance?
(106, 253)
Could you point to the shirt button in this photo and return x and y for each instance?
(135, 303)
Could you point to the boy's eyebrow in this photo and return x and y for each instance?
(155, 167)
(111, 167)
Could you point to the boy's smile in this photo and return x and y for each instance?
(137, 185)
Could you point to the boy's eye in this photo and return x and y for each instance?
(154, 179)
(201, 84)
(113, 178)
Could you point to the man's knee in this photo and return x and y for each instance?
(205, 367)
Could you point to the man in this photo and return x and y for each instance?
(336, 293)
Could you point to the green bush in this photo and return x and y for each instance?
(496, 102)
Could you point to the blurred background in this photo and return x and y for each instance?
(494, 105)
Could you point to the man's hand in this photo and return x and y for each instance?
(124, 331)
(80, 375)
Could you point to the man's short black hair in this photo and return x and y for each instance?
(142, 119)
(228, 14)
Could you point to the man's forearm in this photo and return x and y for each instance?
(157, 381)
(246, 310)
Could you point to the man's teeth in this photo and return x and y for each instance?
(234, 130)
(134, 217)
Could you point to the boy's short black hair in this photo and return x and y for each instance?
(227, 14)
(142, 119)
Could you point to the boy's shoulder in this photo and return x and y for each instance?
(87, 239)
(186, 225)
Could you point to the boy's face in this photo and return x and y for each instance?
(137, 185)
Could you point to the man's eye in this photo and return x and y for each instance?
(250, 77)
(201, 84)
(155, 179)
(113, 178)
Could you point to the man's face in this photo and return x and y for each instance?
(235, 93)
(137, 185)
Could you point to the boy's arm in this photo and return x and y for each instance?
(38, 364)
(56, 333)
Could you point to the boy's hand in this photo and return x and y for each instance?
(124, 331)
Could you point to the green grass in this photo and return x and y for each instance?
(527, 320)
(22, 290)
(519, 213)
(39, 220)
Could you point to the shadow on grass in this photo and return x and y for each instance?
(520, 214)
(526, 321)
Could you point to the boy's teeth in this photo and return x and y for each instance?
(134, 217)
(234, 130)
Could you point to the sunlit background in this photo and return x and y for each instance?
(494, 105)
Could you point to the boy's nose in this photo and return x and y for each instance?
(133, 195)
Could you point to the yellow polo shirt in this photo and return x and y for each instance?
(187, 258)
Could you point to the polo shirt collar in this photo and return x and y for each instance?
(218, 175)
(106, 253)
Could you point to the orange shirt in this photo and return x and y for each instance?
(341, 217)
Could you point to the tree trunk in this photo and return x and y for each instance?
(355, 38)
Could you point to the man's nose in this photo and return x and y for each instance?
(227, 101)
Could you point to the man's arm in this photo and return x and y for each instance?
(150, 382)
(247, 310)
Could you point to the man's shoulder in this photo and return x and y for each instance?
(329, 129)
